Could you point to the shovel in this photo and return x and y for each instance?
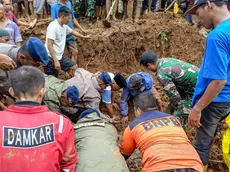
(106, 22)
(170, 5)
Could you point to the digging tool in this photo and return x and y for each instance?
(106, 22)
(170, 5)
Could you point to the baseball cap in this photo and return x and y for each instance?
(148, 57)
(135, 82)
(105, 77)
(37, 50)
(4, 32)
(120, 80)
(72, 94)
(197, 3)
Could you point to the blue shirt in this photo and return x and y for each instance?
(107, 96)
(107, 93)
(215, 64)
(54, 15)
(127, 93)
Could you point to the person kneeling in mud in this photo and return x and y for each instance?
(96, 141)
(135, 84)
(160, 138)
(94, 89)
(61, 98)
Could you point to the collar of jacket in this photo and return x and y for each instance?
(27, 103)
(27, 107)
(160, 63)
(95, 84)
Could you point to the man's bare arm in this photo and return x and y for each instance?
(214, 88)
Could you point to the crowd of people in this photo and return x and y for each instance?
(57, 125)
(93, 9)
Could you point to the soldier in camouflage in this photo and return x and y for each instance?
(61, 98)
(178, 79)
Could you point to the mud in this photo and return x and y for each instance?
(118, 49)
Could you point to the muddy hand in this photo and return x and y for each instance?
(57, 65)
(115, 120)
(115, 106)
(87, 36)
(124, 120)
(7, 63)
(84, 31)
(97, 73)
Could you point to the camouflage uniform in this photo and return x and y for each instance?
(76, 7)
(90, 9)
(178, 80)
(54, 88)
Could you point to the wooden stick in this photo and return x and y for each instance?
(170, 5)
(110, 10)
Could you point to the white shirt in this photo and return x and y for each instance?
(57, 33)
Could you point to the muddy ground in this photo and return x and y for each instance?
(118, 49)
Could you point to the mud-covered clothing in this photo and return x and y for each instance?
(33, 137)
(96, 142)
(161, 141)
(54, 88)
(89, 90)
(178, 80)
(127, 93)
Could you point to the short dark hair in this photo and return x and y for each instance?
(218, 4)
(27, 80)
(148, 57)
(64, 11)
(3, 1)
(23, 50)
(145, 101)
